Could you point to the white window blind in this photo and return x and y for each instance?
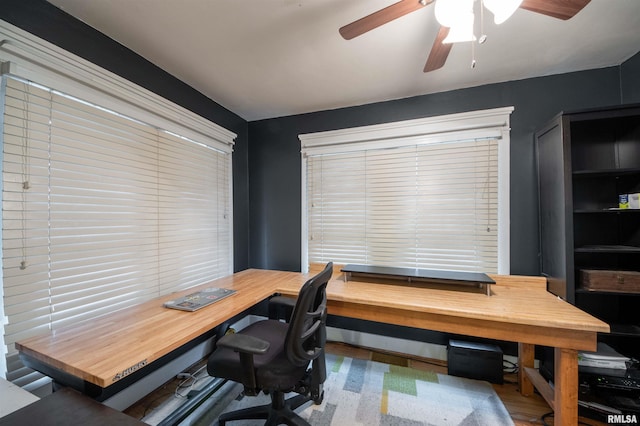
(432, 206)
(100, 212)
(194, 214)
(418, 194)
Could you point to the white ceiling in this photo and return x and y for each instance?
(272, 58)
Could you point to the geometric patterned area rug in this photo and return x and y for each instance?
(361, 392)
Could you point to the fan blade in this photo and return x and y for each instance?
(561, 9)
(381, 17)
(439, 51)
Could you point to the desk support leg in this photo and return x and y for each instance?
(526, 358)
(566, 386)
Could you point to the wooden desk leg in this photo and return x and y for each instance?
(566, 386)
(526, 358)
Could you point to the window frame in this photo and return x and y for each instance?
(490, 123)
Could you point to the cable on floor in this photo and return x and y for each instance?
(193, 377)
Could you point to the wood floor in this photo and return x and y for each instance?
(524, 411)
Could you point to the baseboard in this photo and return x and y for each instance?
(388, 344)
(397, 345)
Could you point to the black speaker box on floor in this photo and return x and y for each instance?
(478, 361)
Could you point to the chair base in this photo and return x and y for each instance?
(280, 411)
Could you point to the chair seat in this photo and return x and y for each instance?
(280, 374)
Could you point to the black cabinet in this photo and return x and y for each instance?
(585, 160)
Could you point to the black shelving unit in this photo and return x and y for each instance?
(585, 159)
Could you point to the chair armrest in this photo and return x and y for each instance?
(243, 343)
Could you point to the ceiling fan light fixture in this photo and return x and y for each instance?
(502, 9)
(453, 13)
(457, 15)
(462, 31)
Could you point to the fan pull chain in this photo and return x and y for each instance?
(483, 36)
(473, 55)
(481, 39)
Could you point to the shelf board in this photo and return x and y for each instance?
(631, 330)
(607, 249)
(608, 210)
(605, 292)
(606, 172)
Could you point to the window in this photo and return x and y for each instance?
(102, 209)
(429, 193)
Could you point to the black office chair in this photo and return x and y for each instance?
(274, 356)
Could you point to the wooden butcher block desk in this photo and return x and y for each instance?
(110, 349)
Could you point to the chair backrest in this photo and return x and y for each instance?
(306, 335)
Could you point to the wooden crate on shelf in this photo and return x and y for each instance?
(615, 281)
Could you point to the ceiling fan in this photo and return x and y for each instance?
(561, 9)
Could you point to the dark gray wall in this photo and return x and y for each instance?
(274, 155)
(50, 23)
